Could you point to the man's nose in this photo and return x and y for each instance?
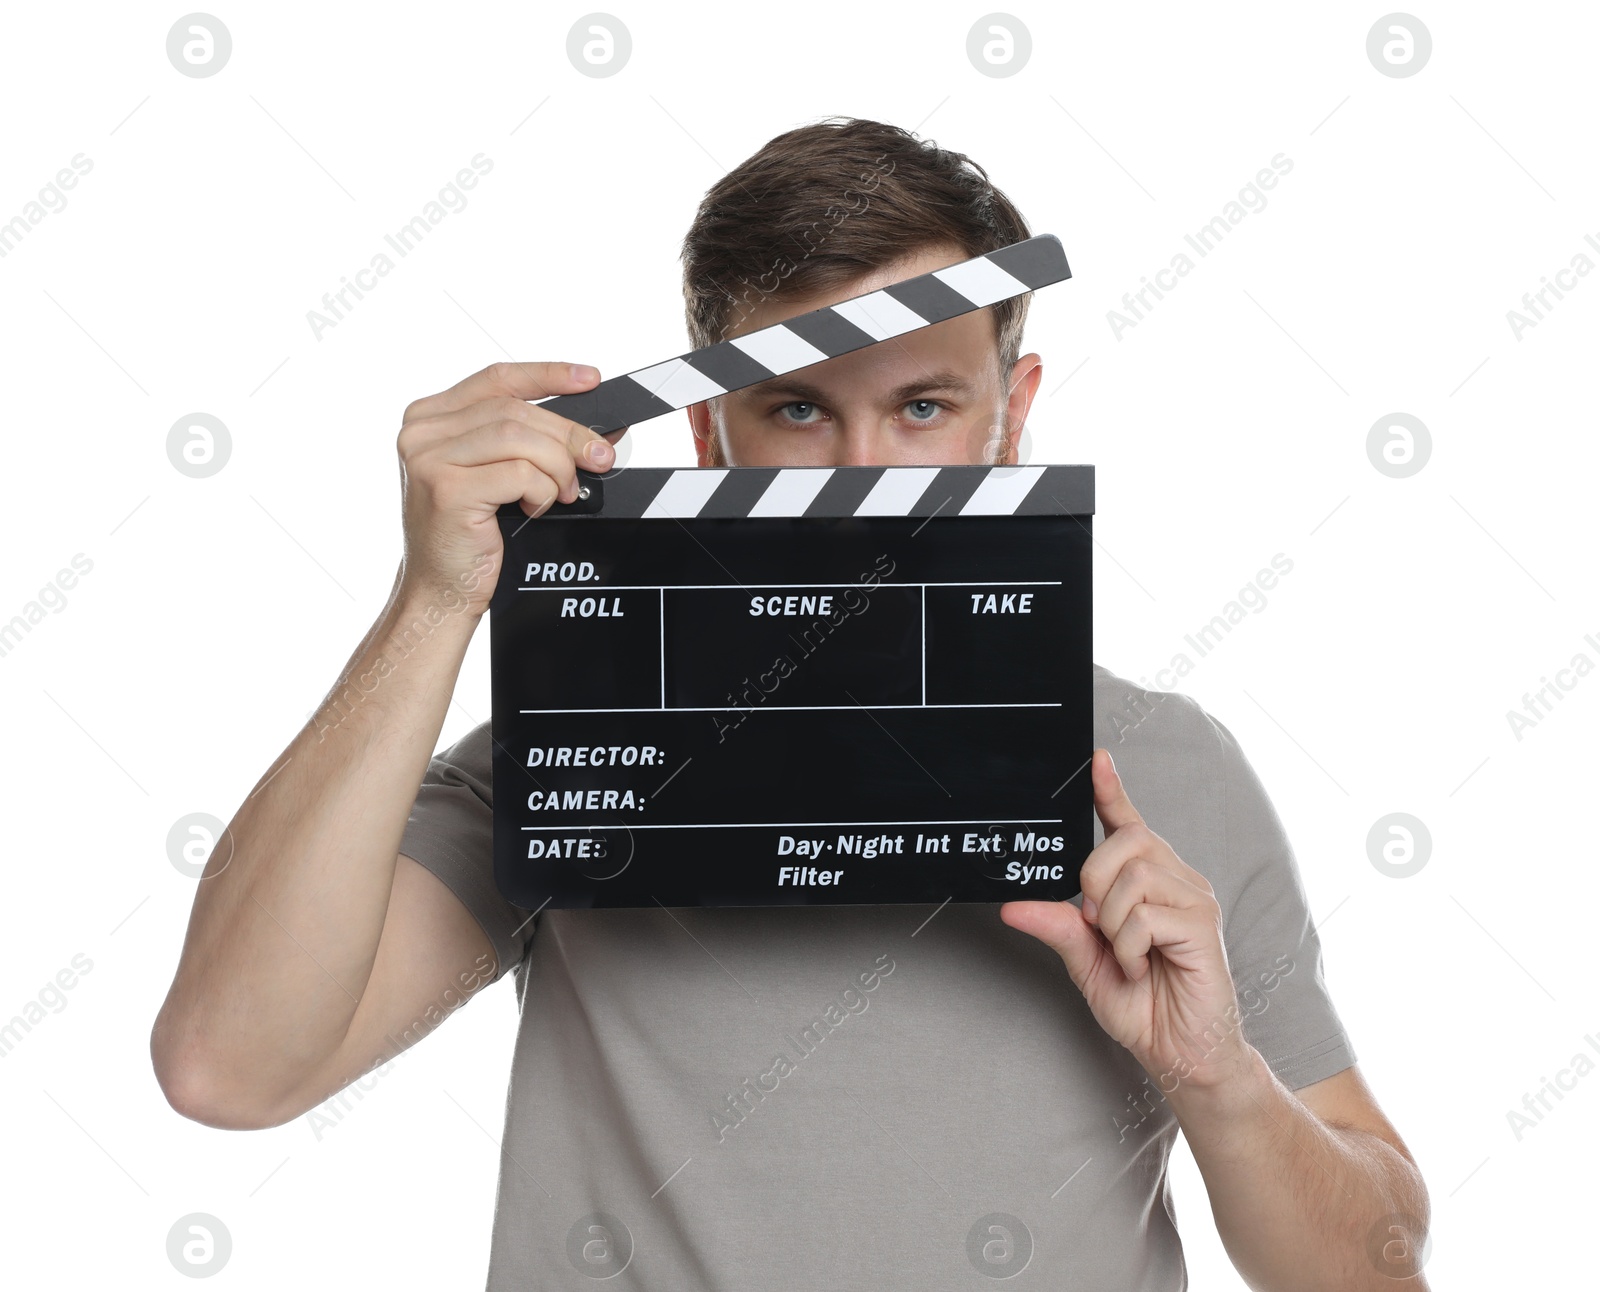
(861, 443)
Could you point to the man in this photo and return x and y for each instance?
(847, 1096)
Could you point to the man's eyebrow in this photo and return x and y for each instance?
(800, 390)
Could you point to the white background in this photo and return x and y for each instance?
(1228, 425)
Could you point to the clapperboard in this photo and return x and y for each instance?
(763, 686)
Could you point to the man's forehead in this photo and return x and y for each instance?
(955, 355)
(771, 310)
(896, 383)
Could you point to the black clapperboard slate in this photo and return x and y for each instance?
(765, 686)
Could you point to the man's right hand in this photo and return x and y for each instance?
(470, 449)
(316, 948)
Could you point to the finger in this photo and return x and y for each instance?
(1111, 800)
(611, 438)
(1061, 927)
(505, 413)
(1142, 881)
(507, 440)
(1179, 935)
(1120, 847)
(521, 380)
(517, 481)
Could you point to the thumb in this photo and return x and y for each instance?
(1062, 928)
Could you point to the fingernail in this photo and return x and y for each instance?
(582, 372)
(1091, 908)
(598, 451)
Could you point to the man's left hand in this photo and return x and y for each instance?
(1146, 951)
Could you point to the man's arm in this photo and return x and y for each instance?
(308, 941)
(1302, 1204)
(1310, 1189)
(314, 950)
(432, 957)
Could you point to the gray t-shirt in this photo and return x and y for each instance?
(864, 1096)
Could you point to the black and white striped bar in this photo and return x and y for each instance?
(650, 493)
(820, 334)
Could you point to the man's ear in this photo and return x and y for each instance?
(1026, 374)
(705, 447)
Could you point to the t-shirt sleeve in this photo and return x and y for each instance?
(1275, 955)
(451, 832)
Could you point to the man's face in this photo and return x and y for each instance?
(931, 397)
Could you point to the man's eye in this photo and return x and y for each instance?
(931, 406)
(797, 404)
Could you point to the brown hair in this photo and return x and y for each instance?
(821, 205)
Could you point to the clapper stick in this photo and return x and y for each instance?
(809, 338)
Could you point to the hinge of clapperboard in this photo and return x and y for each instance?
(799, 342)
